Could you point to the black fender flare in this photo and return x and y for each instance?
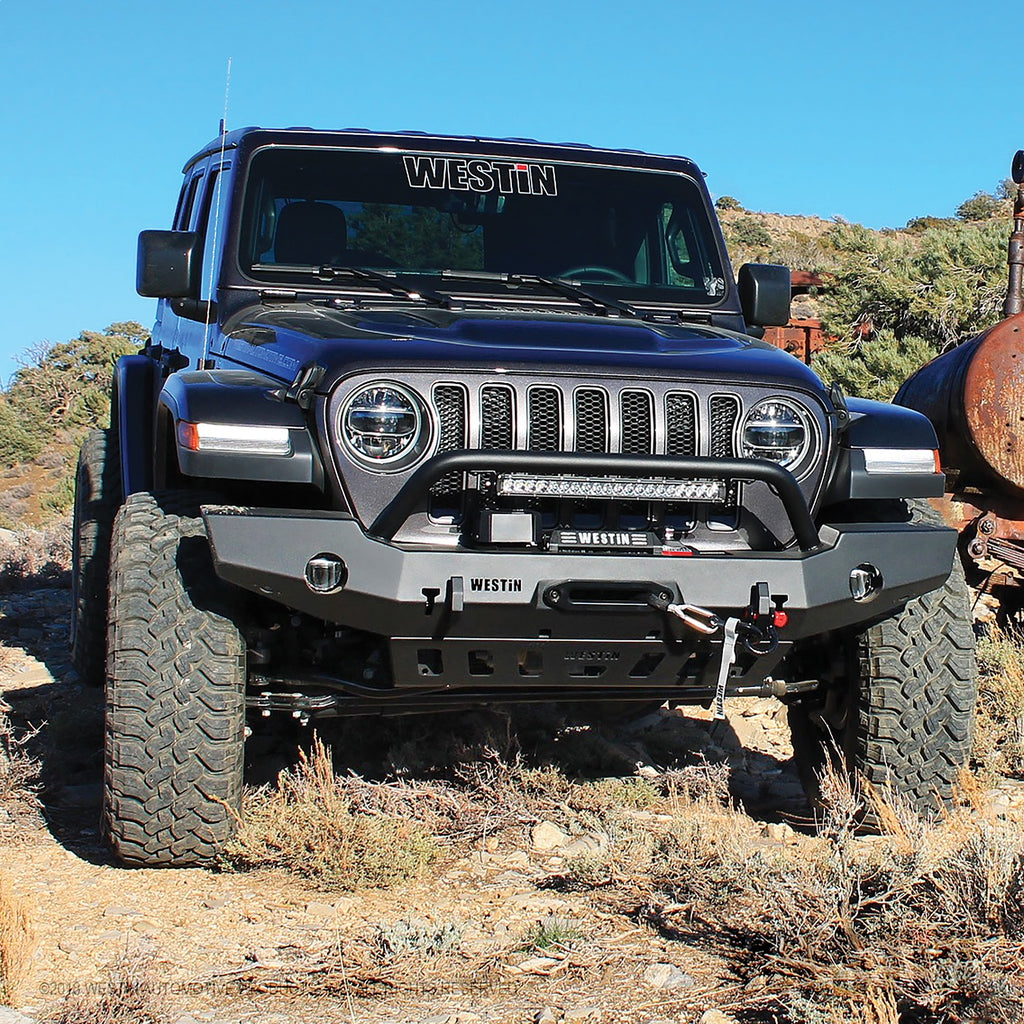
(239, 397)
(881, 425)
(132, 415)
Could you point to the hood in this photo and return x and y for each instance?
(282, 340)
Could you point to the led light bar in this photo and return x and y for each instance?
(901, 460)
(234, 438)
(612, 487)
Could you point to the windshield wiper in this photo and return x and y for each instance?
(561, 286)
(385, 281)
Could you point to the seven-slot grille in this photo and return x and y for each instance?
(547, 418)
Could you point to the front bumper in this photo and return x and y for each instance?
(466, 617)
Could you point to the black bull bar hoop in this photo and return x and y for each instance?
(474, 460)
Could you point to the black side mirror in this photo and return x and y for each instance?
(168, 264)
(765, 294)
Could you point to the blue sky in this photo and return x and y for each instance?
(875, 112)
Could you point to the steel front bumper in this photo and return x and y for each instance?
(473, 603)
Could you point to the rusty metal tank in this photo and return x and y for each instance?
(974, 396)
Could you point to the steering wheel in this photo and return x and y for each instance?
(610, 272)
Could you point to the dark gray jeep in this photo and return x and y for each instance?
(430, 422)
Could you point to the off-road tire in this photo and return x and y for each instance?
(97, 499)
(175, 702)
(902, 713)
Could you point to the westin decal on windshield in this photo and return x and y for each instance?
(458, 173)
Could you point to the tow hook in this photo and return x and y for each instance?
(703, 620)
(755, 631)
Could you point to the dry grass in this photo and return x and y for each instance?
(16, 943)
(999, 737)
(36, 555)
(920, 924)
(18, 771)
(924, 923)
(131, 995)
(319, 827)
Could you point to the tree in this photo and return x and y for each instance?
(981, 206)
(728, 203)
(897, 301)
(63, 387)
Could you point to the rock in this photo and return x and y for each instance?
(118, 911)
(549, 1015)
(779, 831)
(517, 859)
(7, 1014)
(586, 845)
(320, 909)
(716, 1017)
(538, 965)
(667, 977)
(582, 1015)
(547, 836)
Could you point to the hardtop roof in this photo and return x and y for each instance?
(253, 136)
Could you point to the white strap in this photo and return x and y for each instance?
(728, 660)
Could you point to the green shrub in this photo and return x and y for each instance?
(981, 206)
(873, 369)
(728, 203)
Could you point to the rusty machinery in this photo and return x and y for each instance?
(974, 396)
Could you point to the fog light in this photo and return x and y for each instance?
(865, 582)
(325, 573)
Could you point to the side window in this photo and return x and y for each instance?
(176, 219)
(187, 202)
(211, 227)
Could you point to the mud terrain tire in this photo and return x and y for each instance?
(97, 498)
(175, 702)
(902, 712)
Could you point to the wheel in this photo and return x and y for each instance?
(597, 271)
(899, 708)
(175, 708)
(97, 499)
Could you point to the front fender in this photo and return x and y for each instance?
(880, 426)
(132, 417)
(240, 398)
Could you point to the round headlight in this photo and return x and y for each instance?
(775, 430)
(382, 424)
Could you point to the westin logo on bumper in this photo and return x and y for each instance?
(460, 174)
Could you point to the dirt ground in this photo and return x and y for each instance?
(223, 946)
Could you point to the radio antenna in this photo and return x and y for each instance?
(218, 186)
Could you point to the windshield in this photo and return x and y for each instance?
(642, 232)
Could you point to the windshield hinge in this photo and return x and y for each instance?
(303, 389)
(269, 296)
